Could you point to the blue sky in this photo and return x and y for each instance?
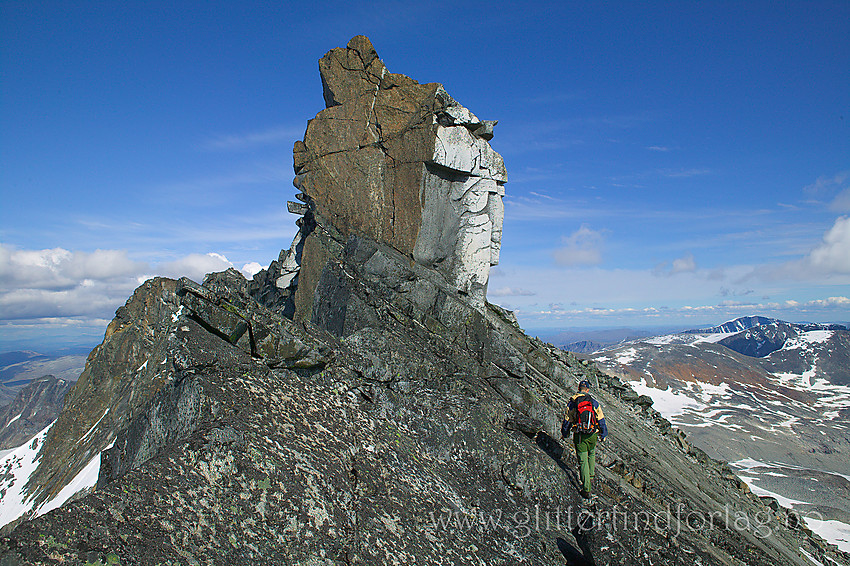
(676, 164)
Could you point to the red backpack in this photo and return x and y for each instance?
(586, 422)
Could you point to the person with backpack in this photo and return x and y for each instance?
(587, 424)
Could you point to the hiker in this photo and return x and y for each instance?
(585, 419)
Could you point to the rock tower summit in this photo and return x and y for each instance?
(400, 163)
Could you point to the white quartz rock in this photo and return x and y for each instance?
(455, 149)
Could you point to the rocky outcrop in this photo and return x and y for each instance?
(402, 164)
(34, 407)
(389, 420)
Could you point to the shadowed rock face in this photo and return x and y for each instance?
(397, 422)
(405, 165)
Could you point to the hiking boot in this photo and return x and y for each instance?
(584, 494)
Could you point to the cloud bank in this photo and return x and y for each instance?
(832, 256)
(56, 283)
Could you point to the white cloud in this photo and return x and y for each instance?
(684, 173)
(195, 266)
(58, 283)
(833, 254)
(592, 296)
(684, 264)
(830, 302)
(251, 269)
(510, 292)
(824, 309)
(841, 202)
(826, 183)
(582, 247)
(59, 268)
(94, 300)
(837, 184)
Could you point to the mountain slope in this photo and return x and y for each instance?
(35, 407)
(784, 406)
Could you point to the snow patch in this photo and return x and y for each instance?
(761, 492)
(713, 338)
(91, 430)
(85, 479)
(666, 402)
(661, 340)
(687, 338)
(816, 336)
(13, 420)
(814, 560)
(15, 469)
(709, 389)
(627, 356)
(834, 532)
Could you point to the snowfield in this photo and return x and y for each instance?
(779, 407)
(834, 532)
(15, 469)
(667, 402)
(627, 356)
(18, 464)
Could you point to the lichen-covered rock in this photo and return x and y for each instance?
(398, 448)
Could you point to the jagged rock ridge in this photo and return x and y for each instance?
(391, 418)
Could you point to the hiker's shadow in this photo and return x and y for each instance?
(574, 556)
(583, 555)
(557, 452)
(582, 532)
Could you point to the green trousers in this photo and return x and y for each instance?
(586, 452)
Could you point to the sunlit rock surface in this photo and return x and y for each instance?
(403, 164)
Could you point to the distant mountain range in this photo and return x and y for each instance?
(19, 368)
(772, 397)
(584, 341)
(32, 390)
(34, 407)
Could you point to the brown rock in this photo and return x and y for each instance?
(403, 164)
